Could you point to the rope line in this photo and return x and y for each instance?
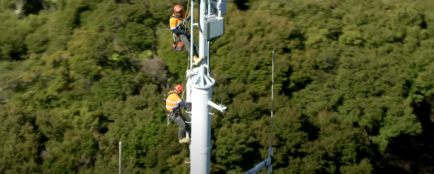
(187, 25)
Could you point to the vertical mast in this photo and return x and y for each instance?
(200, 84)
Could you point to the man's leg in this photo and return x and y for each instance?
(186, 42)
(180, 121)
(187, 127)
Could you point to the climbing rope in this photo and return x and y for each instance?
(187, 25)
(188, 5)
(182, 96)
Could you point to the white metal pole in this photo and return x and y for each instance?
(207, 42)
(270, 149)
(202, 40)
(120, 157)
(201, 124)
(201, 92)
(267, 162)
(208, 59)
(188, 115)
(188, 86)
(191, 34)
(209, 8)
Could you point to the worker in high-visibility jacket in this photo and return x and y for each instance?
(178, 28)
(173, 103)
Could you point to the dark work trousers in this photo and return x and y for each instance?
(186, 42)
(180, 121)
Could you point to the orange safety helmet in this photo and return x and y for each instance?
(177, 8)
(179, 88)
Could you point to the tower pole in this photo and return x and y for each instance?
(200, 153)
(201, 85)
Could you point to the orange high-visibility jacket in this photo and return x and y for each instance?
(175, 20)
(172, 101)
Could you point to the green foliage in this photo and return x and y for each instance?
(78, 76)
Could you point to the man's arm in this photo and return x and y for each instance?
(177, 31)
(185, 104)
(174, 27)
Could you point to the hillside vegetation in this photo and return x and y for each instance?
(354, 88)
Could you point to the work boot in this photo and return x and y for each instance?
(197, 60)
(184, 140)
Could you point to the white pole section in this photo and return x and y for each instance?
(191, 35)
(202, 41)
(201, 92)
(120, 157)
(207, 42)
(189, 71)
(200, 153)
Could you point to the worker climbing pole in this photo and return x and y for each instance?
(173, 104)
(199, 83)
(181, 35)
(178, 25)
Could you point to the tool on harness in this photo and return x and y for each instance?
(177, 44)
(171, 116)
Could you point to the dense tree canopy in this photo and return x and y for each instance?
(354, 86)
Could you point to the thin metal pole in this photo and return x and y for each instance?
(208, 59)
(207, 45)
(120, 157)
(272, 103)
(191, 35)
(209, 8)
